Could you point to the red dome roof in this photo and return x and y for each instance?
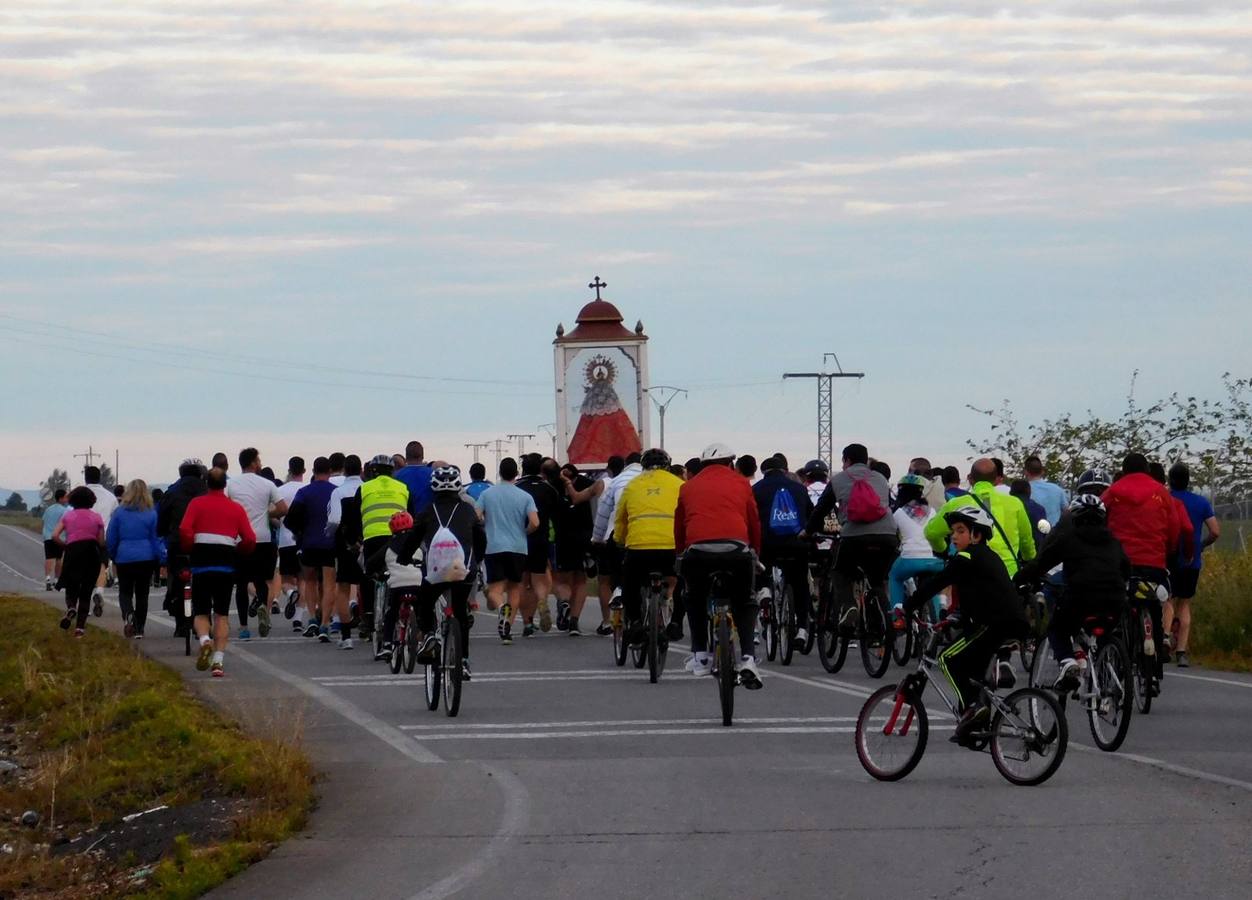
(599, 311)
(599, 322)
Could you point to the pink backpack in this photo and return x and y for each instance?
(864, 505)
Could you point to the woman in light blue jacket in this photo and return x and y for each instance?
(137, 551)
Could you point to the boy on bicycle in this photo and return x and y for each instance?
(989, 608)
(403, 573)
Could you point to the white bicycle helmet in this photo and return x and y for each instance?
(446, 478)
(382, 461)
(971, 516)
(1087, 505)
(716, 451)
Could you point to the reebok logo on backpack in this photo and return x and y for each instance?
(784, 518)
(864, 505)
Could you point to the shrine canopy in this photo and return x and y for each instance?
(601, 370)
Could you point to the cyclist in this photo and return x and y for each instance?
(1142, 515)
(402, 578)
(913, 513)
(645, 528)
(717, 505)
(1095, 571)
(1012, 536)
(215, 531)
(378, 499)
(868, 541)
(1093, 481)
(990, 611)
(451, 511)
(784, 507)
(609, 563)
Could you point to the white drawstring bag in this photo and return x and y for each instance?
(445, 560)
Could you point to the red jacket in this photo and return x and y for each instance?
(1187, 545)
(1143, 516)
(716, 505)
(209, 531)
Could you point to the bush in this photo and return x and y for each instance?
(1221, 618)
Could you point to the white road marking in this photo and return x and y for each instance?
(12, 571)
(622, 723)
(1231, 681)
(1185, 771)
(714, 728)
(26, 534)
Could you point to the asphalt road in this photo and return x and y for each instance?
(565, 776)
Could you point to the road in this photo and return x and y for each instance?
(567, 777)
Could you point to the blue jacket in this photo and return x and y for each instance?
(132, 536)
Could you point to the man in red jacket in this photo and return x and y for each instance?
(1142, 515)
(717, 506)
(214, 530)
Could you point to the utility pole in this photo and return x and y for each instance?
(521, 444)
(89, 456)
(825, 404)
(476, 448)
(663, 403)
(499, 442)
(549, 429)
(117, 479)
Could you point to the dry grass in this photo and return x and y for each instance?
(104, 732)
(21, 520)
(1221, 616)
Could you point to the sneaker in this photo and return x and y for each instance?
(80, 632)
(504, 624)
(217, 670)
(616, 601)
(384, 652)
(604, 629)
(1068, 680)
(244, 635)
(289, 610)
(263, 621)
(802, 635)
(296, 626)
(528, 630)
(323, 635)
(972, 719)
(254, 606)
(674, 630)
(562, 616)
(128, 628)
(466, 674)
(545, 616)
(762, 596)
(847, 621)
(65, 622)
(573, 628)
(749, 675)
(335, 627)
(1183, 662)
(275, 610)
(427, 653)
(345, 643)
(206, 654)
(1005, 678)
(312, 630)
(97, 604)
(700, 667)
(47, 584)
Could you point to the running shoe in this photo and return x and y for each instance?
(427, 653)
(206, 654)
(504, 625)
(749, 674)
(802, 635)
(562, 616)
(289, 610)
(573, 628)
(128, 627)
(65, 621)
(217, 670)
(528, 630)
(971, 719)
(80, 632)
(296, 626)
(263, 621)
(674, 630)
(604, 629)
(275, 609)
(700, 667)
(345, 643)
(312, 630)
(545, 616)
(1005, 678)
(384, 652)
(47, 584)
(97, 604)
(323, 635)
(1068, 679)
(466, 674)
(244, 635)
(254, 606)
(1183, 662)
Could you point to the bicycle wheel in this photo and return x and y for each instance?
(875, 637)
(656, 655)
(1143, 682)
(619, 637)
(807, 647)
(769, 627)
(891, 734)
(397, 647)
(410, 642)
(377, 638)
(786, 625)
(451, 663)
(639, 655)
(726, 675)
(1109, 714)
(902, 646)
(433, 671)
(831, 650)
(1029, 735)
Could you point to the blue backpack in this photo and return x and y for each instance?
(784, 518)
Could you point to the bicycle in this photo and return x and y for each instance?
(779, 629)
(404, 636)
(1140, 642)
(1106, 687)
(374, 622)
(1025, 726)
(874, 634)
(445, 675)
(722, 631)
(655, 609)
(1038, 614)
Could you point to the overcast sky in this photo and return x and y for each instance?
(229, 210)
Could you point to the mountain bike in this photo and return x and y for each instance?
(444, 674)
(1106, 686)
(655, 614)
(722, 639)
(1026, 733)
(873, 633)
(1140, 641)
(404, 639)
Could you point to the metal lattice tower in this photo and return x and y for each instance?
(825, 405)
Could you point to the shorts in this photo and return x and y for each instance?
(609, 560)
(212, 592)
(259, 566)
(347, 569)
(317, 558)
(538, 555)
(289, 562)
(505, 567)
(52, 550)
(1183, 583)
(571, 552)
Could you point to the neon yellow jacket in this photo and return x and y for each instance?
(381, 498)
(1005, 509)
(645, 511)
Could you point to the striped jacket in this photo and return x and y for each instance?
(214, 530)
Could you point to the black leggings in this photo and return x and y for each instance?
(79, 574)
(697, 573)
(133, 581)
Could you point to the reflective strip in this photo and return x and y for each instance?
(220, 539)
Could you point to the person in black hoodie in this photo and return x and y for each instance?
(990, 609)
(1095, 569)
(782, 520)
(452, 510)
(190, 484)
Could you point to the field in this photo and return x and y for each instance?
(21, 520)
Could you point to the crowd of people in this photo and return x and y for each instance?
(318, 546)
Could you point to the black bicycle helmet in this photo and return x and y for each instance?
(655, 459)
(1093, 481)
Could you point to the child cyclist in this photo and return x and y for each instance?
(403, 577)
(990, 610)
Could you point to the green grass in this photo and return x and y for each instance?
(105, 732)
(21, 520)
(1221, 614)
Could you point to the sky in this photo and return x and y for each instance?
(316, 225)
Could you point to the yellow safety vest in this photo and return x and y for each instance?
(381, 498)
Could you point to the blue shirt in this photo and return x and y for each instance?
(315, 497)
(1199, 510)
(417, 480)
(506, 511)
(475, 489)
(51, 516)
(1051, 497)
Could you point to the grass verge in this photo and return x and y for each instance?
(21, 520)
(1221, 615)
(102, 732)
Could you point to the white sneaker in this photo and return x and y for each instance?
(1069, 678)
(749, 675)
(802, 635)
(700, 667)
(345, 643)
(762, 595)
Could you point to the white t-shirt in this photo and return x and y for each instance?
(337, 480)
(256, 494)
(288, 492)
(913, 543)
(348, 487)
(106, 503)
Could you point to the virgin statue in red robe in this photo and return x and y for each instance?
(604, 428)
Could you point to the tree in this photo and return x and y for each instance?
(15, 503)
(59, 480)
(107, 478)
